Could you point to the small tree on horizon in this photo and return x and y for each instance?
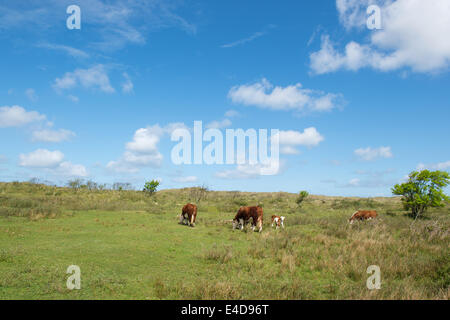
(423, 190)
(151, 187)
(301, 197)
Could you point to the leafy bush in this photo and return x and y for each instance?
(301, 197)
(151, 186)
(423, 190)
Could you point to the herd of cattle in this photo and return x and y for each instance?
(255, 214)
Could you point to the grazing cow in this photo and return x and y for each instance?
(244, 214)
(189, 214)
(278, 221)
(363, 215)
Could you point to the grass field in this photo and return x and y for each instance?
(130, 246)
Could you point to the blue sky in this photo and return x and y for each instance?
(358, 109)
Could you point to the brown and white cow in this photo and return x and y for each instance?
(363, 215)
(278, 221)
(244, 215)
(188, 214)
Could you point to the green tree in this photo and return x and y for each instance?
(301, 197)
(150, 187)
(423, 190)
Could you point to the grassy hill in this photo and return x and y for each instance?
(130, 246)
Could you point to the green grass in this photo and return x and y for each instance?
(130, 246)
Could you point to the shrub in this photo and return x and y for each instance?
(150, 187)
(423, 190)
(301, 197)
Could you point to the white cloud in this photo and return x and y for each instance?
(403, 179)
(264, 95)
(73, 98)
(371, 182)
(310, 137)
(218, 124)
(121, 166)
(248, 171)
(354, 182)
(31, 95)
(369, 154)
(127, 86)
(243, 41)
(132, 162)
(47, 135)
(289, 150)
(434, 166)
(352, 13)
(153, 159)
(414, 35)
(112, 24)
(188, 179)
(376, 173)
(68, 169)
(52, 161)
(41, 158)
(143, 151)
(73, 52)
(145, 140)
(250, 38)
(335, 163)
(288, 140)
(92, 78)
(17, 116)
(232, 114)
(240, 172)
(168, 129)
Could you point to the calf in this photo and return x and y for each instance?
(363, 215)
(188, 214)
(244, 215)
(278, 221)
